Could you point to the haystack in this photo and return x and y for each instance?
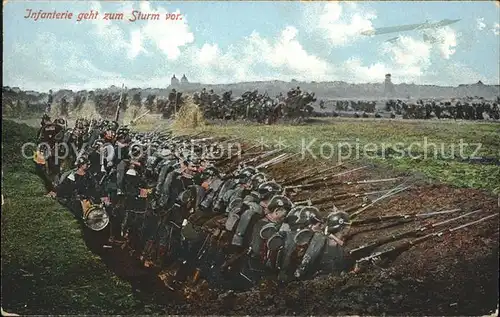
(88, 111)
(55, 110)
(190, 116)
(132, 112)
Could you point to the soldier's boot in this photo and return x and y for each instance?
(196, 287)
(169, 276)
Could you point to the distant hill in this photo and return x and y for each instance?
(323, 90)
(336, 90)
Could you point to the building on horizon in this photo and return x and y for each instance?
(388, 86)
(184, 80)
(174, 81)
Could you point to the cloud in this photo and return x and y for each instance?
(480, 24)
(169, 36)
(410, 57)
(254, 56)
(496, 29)
(109, 34)
(166, 35)
(447, 41)
(288, 54)
(136, 44)
(450, 73)
(356, 71)
(339, 23)
(58, 63)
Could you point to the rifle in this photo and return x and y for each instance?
(336, 196)
(277, 160)
(392, 192)
(377, 243)
(236, 155)
(321, 182)
(355, 207)
(372, 181)
(326, 184)
(233, 259)
(117, 114)
(408, 244)
(259, 157)
(140, 117)
(305, 174)
(372, 220)
(301, 178)
(335, 175)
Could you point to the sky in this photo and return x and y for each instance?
(227, 42)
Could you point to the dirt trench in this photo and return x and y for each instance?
(456, 274)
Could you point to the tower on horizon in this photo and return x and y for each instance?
(174, 81)
(184, 79)
(388, 86)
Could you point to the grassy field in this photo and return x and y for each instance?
(436, 149)
(46, 266)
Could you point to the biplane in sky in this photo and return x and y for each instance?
(427, 28)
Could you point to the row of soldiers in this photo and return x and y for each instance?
(350, 105)
(256, 107)
(169, 202)
(462, 110)
(163, 198)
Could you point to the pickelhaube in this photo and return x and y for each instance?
(257, 179)
(135, 151)
(98, 143)
(313, 214)
(269, 189)
(279, 201)
(246, 173)
(296, 216)
(81, 161)
(60, 122)
(210, 172)
(336, 221)
(123, 131)
(165, 152)
(303, 216)
(113, 125)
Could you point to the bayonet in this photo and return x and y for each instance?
(373, 181)
(140, 117)
(390, 193)
(337, 196)
(239, 154)
(397, 217)
(259, 157)
(301, 178)
(117, 114)
(405, 234)
(277, 160)
(336, 175)
(409, 244)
